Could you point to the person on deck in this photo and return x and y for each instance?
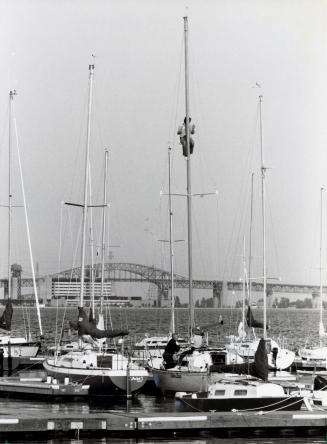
(198, 335)
(183, 140)
(171, 348)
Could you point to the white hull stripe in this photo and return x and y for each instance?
(173, 418)
(94, 372)
(9, 421)
(309, 416)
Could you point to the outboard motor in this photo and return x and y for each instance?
(274, 355)
(319, 383)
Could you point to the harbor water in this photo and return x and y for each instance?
(293, 328)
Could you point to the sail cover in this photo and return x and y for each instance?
(92, 319)
(5, 320)
(251, 321)
(85, 327)
(240, 331)
(322, 333)
(258, 368)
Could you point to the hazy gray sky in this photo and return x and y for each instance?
(45, 49)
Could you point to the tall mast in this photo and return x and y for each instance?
(11, 98)
(244, 283)
(263, 194)
(171, 245)
(188, 190)
(92, 271)
(86, 176)
(103, 243)
(321, 328)
(250, 241)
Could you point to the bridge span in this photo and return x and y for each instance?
(224, 293)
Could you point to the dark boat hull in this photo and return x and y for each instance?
(227, 405)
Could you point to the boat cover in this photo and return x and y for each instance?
(85, 327)
(258, 368)
(5, 320)
(251, 321)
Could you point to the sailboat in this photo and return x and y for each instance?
(13, 346)
(107, 373)
(278, 358)
(315, 358)
(191, 370)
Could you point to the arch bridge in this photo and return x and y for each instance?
(130, 272)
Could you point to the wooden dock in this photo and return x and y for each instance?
(133, 424)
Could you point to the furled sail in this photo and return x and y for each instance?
(251, 321)
(258, 368)
(85, 327)
(241, 332)
(5, 320)
(322, 333)
(92, 319)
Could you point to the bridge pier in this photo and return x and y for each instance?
(315, 299)
(223, 295)
(216, 294)
(163, 292)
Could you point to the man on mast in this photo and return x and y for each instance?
(182, 133)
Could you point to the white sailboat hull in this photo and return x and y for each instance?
(102, 380)
(246, 349)
(318, 353)
(18, 347)
(194, 375)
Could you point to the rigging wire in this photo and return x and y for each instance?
(250, 155)
(27, 221)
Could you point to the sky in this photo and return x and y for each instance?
(138, 103)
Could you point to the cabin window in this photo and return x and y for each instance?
(105, 361)
(240, 392)
(218, 358)
(220, 392)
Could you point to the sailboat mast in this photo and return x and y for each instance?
(171, 245)
(91, 74)
(11, 98)
(320, 253)
(92, 271)
(188, 190)
(250, 241)
(263, 194)
(104, 211)
(244, 283)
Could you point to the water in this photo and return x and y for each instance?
(293, 327)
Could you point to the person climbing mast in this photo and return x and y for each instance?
(183, 140)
